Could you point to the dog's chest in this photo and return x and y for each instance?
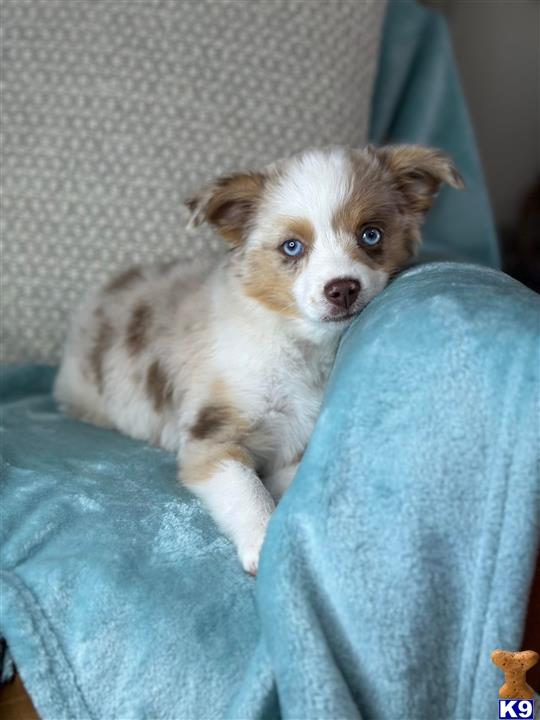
(276, 382)
(286, 402)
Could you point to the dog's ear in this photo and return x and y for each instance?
(228, 204)
(418, 173)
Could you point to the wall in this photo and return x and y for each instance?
(497, 46)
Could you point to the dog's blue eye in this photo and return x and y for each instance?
(371, 236)
(293, 248)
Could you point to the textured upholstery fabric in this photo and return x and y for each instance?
(113, 112)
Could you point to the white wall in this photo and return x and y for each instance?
(497, 45)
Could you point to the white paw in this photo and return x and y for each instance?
(250, 550)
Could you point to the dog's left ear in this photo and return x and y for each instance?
(419, 173)
(228, 204)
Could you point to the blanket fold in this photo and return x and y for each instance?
(404, 552)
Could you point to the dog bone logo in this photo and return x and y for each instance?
(514, 666)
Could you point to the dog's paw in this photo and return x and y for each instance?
(249, 552)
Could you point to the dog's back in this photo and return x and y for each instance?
(116, 366)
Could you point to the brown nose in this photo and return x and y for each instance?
(342, 292)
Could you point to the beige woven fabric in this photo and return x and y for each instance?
(113, 111)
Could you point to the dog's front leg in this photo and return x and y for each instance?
(223, 476)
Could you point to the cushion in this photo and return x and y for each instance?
(113, 112)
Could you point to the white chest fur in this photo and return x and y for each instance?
(278, 378)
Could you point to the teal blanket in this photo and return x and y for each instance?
(397, 562)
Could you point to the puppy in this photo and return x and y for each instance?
(226, 367)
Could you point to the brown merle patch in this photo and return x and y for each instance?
(229, 204)
(125, 280)
(375, 200)
(419, 172)
(138, 327)
(300, 228)
(268, 277)
(102, 342)
(202, 460)
(158, 386)
(211, 420)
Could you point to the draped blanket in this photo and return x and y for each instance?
(398, 560)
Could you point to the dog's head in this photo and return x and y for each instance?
(318, 235)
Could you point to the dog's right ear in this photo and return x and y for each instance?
(228, 204)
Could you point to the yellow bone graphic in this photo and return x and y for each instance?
(514, 666)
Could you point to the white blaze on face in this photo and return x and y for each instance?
(315, 186)
(329, 262)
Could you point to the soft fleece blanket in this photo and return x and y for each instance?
(400, 558)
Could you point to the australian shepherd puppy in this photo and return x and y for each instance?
(226, 367)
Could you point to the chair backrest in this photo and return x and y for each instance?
(114, 112)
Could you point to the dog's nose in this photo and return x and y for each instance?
(342, 292)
